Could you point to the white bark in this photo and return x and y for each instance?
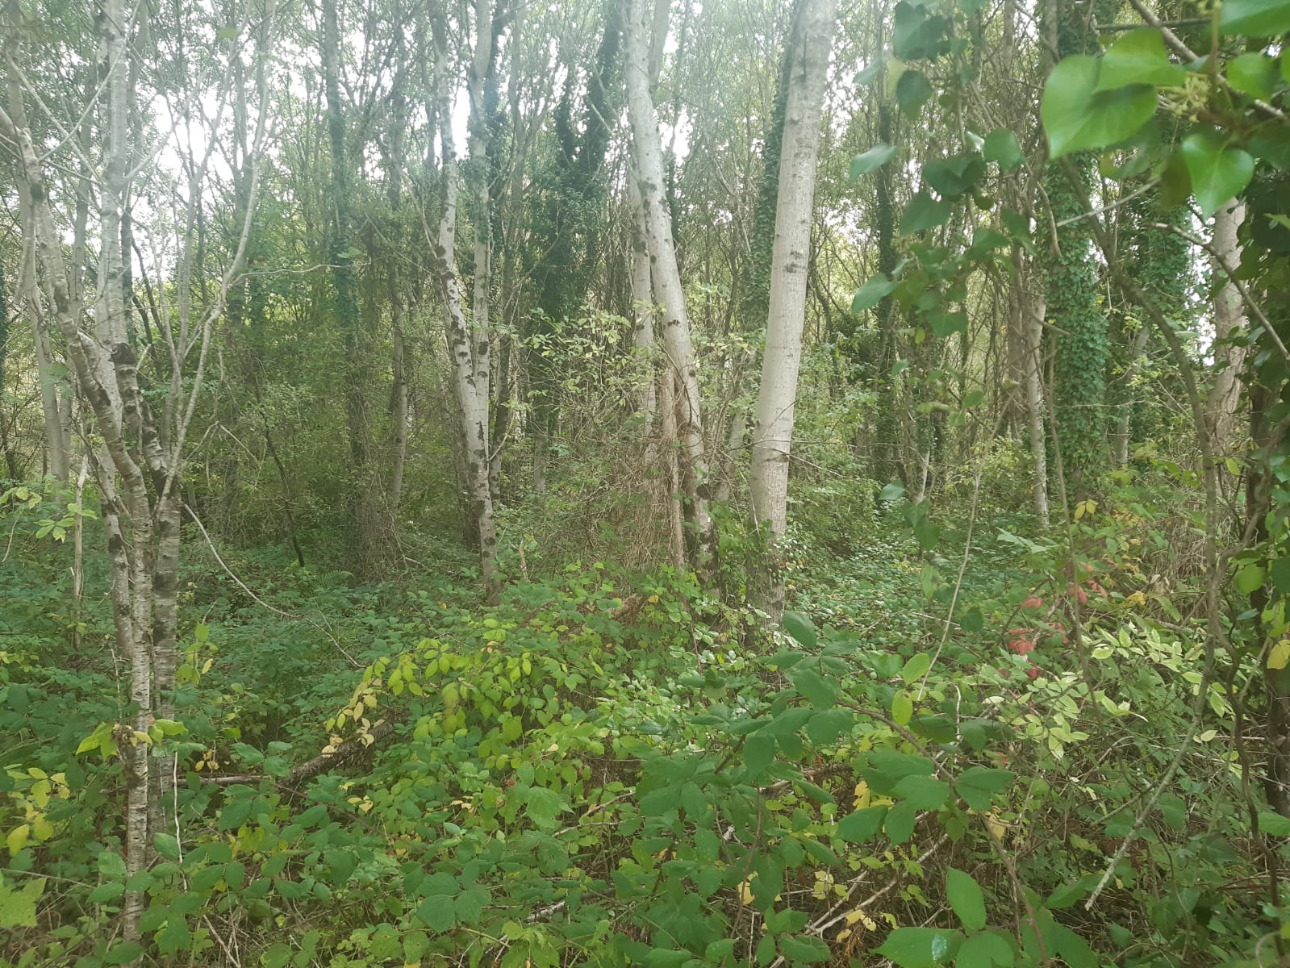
(773, 434)
(472, 398)
(1229, 318)
(1033, 307)
(643, 331)
(647, 156)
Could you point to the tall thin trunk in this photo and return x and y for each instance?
(1229, 319)
(643, 329)
(666, 278)
(472, 399)
(776, 398)
(1030, 296)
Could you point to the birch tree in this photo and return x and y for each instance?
(144, 437)
(773, 434)
(665, 276)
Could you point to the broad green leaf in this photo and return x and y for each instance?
(277, 955)
(1079, 117)
(954, 175)
(759, 752)
(112, 866)
(917, 665)
(826, 726)
(891, 493)
(1255, 18)
(985, 950)
(106, 892)
(856, 828)
(902, 707)
(916, 33)
(923, 792)
(1138, 57)
(901, 820)
(869, 73)
(924, 212)
(921, 947)
(437, 912)
(872, 160)
(871, 293)
(1253, 74)
(123, 953)
(978, 785)
(1249, 579)
(1001, 147)
(805, 950)
(542, 806)
(1073, 949)
(1279, 574)
(800, 628)
(913, 90)
(1219, 171)
(1273, 824)
(814, 688)
(966, 898)
(18, 904)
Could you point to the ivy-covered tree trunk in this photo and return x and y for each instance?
(1229, 321)
(776, 399)
(1071, 287)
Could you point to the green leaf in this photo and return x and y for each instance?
(1078, 117)
(913, 90)
(1273, 824)
(112, 866)
(921, 947)
(277, 955)
(107, 892)
(871, 293)
(902, 708)
(167, 846)
(966, 899)
(1001, 147)
(18, 905)
(923, 792)
(924, 212)
(955, 175)
(826, 726)
(123, 953)
(863, 825)
(985, 950)
(872, 160)
(891, 493)
(1073, 949)
(800, 628)
(978, 785)
(869, 74)
(814, 688)
(437, 912)
(542, 806)
(917, 34)
(805, 950)
(1219, 171)
(972, 620)
(469, 905)
(901, 820)
(227, 33)
(1138, 57)
(1249, 579)
(759, 753)
(916, 667)
(1255, 18)
(1253, 74)
(973, 398)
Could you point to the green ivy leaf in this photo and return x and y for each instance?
(955, 175)
(872, 160)
(1001, 147)
(1219, 171)
(1253, 74)
(913, 90)
(924, 212)
(921, 947)
(917, 34)
(966, 898)
(1078, 117)
(1138, 57)
(1255, 18)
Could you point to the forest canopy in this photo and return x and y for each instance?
(644, 482)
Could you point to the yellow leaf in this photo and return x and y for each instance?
(1279, 655)
(862, 795)
(17, 838)
(745, 892)
(997, 826)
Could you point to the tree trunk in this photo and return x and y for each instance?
(773, 434)
(665, 276)
(472, 397)
(1229, 320)
(1030, 298)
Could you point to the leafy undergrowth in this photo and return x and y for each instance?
(601, 771)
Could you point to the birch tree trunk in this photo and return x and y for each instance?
(1030, 296)
(472, 397)
(647, 155)
(1229, 319)
(773, 434)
